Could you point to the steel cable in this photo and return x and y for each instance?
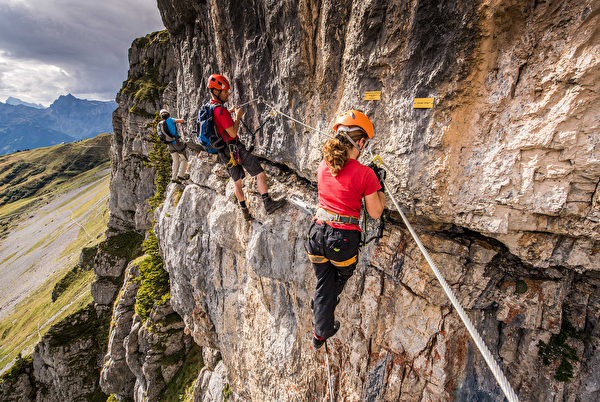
(487, 355)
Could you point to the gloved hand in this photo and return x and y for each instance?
(380, 173)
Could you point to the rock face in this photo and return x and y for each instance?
(142, 356)
(500, 178)
(19, 385)
(116, 377)
(509, 148)
(151, 69)
(66, 361)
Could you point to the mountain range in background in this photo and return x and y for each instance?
(16, 101)
(28, 126)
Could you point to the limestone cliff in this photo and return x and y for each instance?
(151, 69)
(500, 178)
(144, 353)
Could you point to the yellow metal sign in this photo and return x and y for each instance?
(373, 95)
(423, 103)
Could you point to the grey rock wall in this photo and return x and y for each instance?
(243, 288)
(500, 178)
(151, 68)
(20, 385)
(66, 362)
(116, 376)
(509, 148)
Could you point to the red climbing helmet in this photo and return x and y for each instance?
(219, 82)
(355, 118)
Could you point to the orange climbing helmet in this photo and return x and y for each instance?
(354, 118)
(219, 82)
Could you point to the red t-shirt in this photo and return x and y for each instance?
(343, 193)
(222, 119)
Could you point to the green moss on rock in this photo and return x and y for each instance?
(558, 349)
(87, 256)
(20, 367)
(181, 386)
(65, 282)
(124, 245)
(145, 87)
(154, 280)
(81, 324)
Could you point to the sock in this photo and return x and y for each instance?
(265, 196)
(242, 204)
(320, 338)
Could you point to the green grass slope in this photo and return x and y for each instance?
(44, 228)
(27, 175)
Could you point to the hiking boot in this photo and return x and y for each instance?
(246, 213)
(271, 205)
(318, 341)
(312, 303)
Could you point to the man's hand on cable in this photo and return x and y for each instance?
(238, 112)
(379, 172)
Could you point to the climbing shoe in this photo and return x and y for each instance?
(318, 341)
(312, 303)
(246, 213)
(271, 205)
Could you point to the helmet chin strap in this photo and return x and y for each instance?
(345, 132)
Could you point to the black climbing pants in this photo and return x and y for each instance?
(334, 255)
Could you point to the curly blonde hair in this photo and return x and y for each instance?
(336, 150)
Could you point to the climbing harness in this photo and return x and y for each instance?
(487, 355)
(326, 216)
(378, 231)
(328, 372)
(234, 156)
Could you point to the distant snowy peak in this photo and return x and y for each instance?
(15, 101)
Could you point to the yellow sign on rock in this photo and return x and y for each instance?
(423, 103)
(373, 95)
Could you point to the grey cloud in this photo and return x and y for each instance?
(89, 40)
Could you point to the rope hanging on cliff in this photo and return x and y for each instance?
(487, 355)
(328, 372)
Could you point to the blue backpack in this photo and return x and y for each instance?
(208, 136)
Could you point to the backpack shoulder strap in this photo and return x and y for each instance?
(165, 129)
(213, 106)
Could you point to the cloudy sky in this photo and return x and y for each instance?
(50, 48)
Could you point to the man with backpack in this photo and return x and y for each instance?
(168, 133)
(235, 156)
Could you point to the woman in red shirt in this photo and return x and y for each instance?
(334, 236)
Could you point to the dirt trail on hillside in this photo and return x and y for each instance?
(35, 249)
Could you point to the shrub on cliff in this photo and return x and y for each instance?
(154, 280)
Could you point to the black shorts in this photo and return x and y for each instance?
(248, 162)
